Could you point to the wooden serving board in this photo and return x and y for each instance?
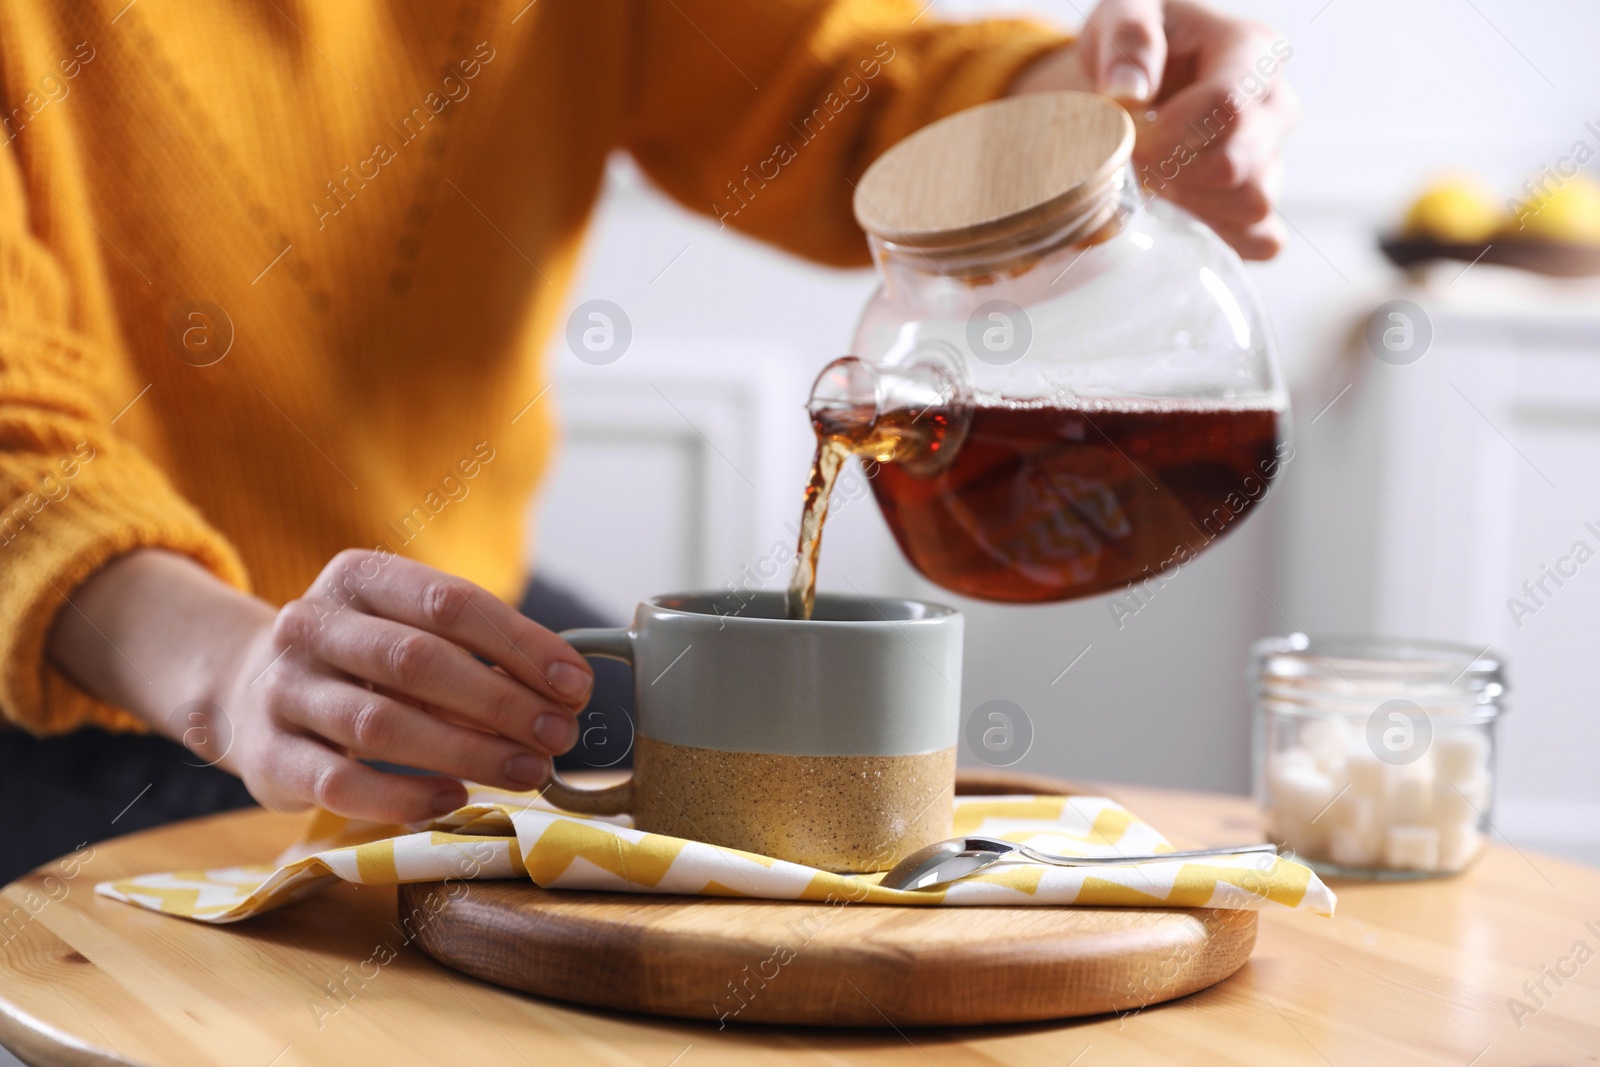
(803, 962)
(863, 964)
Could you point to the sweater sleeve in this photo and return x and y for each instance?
(764, 115)
(73, 493)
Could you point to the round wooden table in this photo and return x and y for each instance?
(1497, 966)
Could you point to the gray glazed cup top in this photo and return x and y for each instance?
(865, 676)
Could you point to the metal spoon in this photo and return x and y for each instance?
(947, 861)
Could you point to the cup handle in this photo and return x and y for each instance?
(612, 800)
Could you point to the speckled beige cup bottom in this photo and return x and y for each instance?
(838, 813)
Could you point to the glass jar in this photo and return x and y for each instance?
(1374, 757)
(1070, 387)
(1126, 298)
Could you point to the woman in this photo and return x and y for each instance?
(275, 281)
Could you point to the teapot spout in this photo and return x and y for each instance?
(914, 414)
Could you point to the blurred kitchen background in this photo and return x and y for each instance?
(1421, 497)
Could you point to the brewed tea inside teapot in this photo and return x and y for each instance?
(1060, 387)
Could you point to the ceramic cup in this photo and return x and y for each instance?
(829, 742)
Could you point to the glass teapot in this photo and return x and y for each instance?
(1060, 386)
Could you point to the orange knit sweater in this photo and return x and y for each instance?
(276, 276)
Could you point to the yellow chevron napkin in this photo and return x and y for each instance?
(512, 835)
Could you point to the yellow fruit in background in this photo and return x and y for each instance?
(1455, 211)
(1569, 212)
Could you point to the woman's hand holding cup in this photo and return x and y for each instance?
(385, 658)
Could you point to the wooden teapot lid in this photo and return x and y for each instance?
(996, 171)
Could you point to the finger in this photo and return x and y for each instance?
(435, 711)
(1218, 100)
(301, 771)
(430, 670)
(428, 599)
(442, 714)
(1203, 42)
(1263, 240)
(1244, 217)
(1270, 184)
(1217, 150)
(373, 726)
(1234, 107)
(1127, 49)
(1241, 207)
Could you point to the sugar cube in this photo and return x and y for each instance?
(1298, 832)
(1459, 844)
(1333, 765)
(1294, 756)
(1459, 801)
(1369, 778)
(1460, 753)
(1353, 848)
(1412, 800)
(1354, 812)
(1412, 848)
(1327, 740)
(1299, 790)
